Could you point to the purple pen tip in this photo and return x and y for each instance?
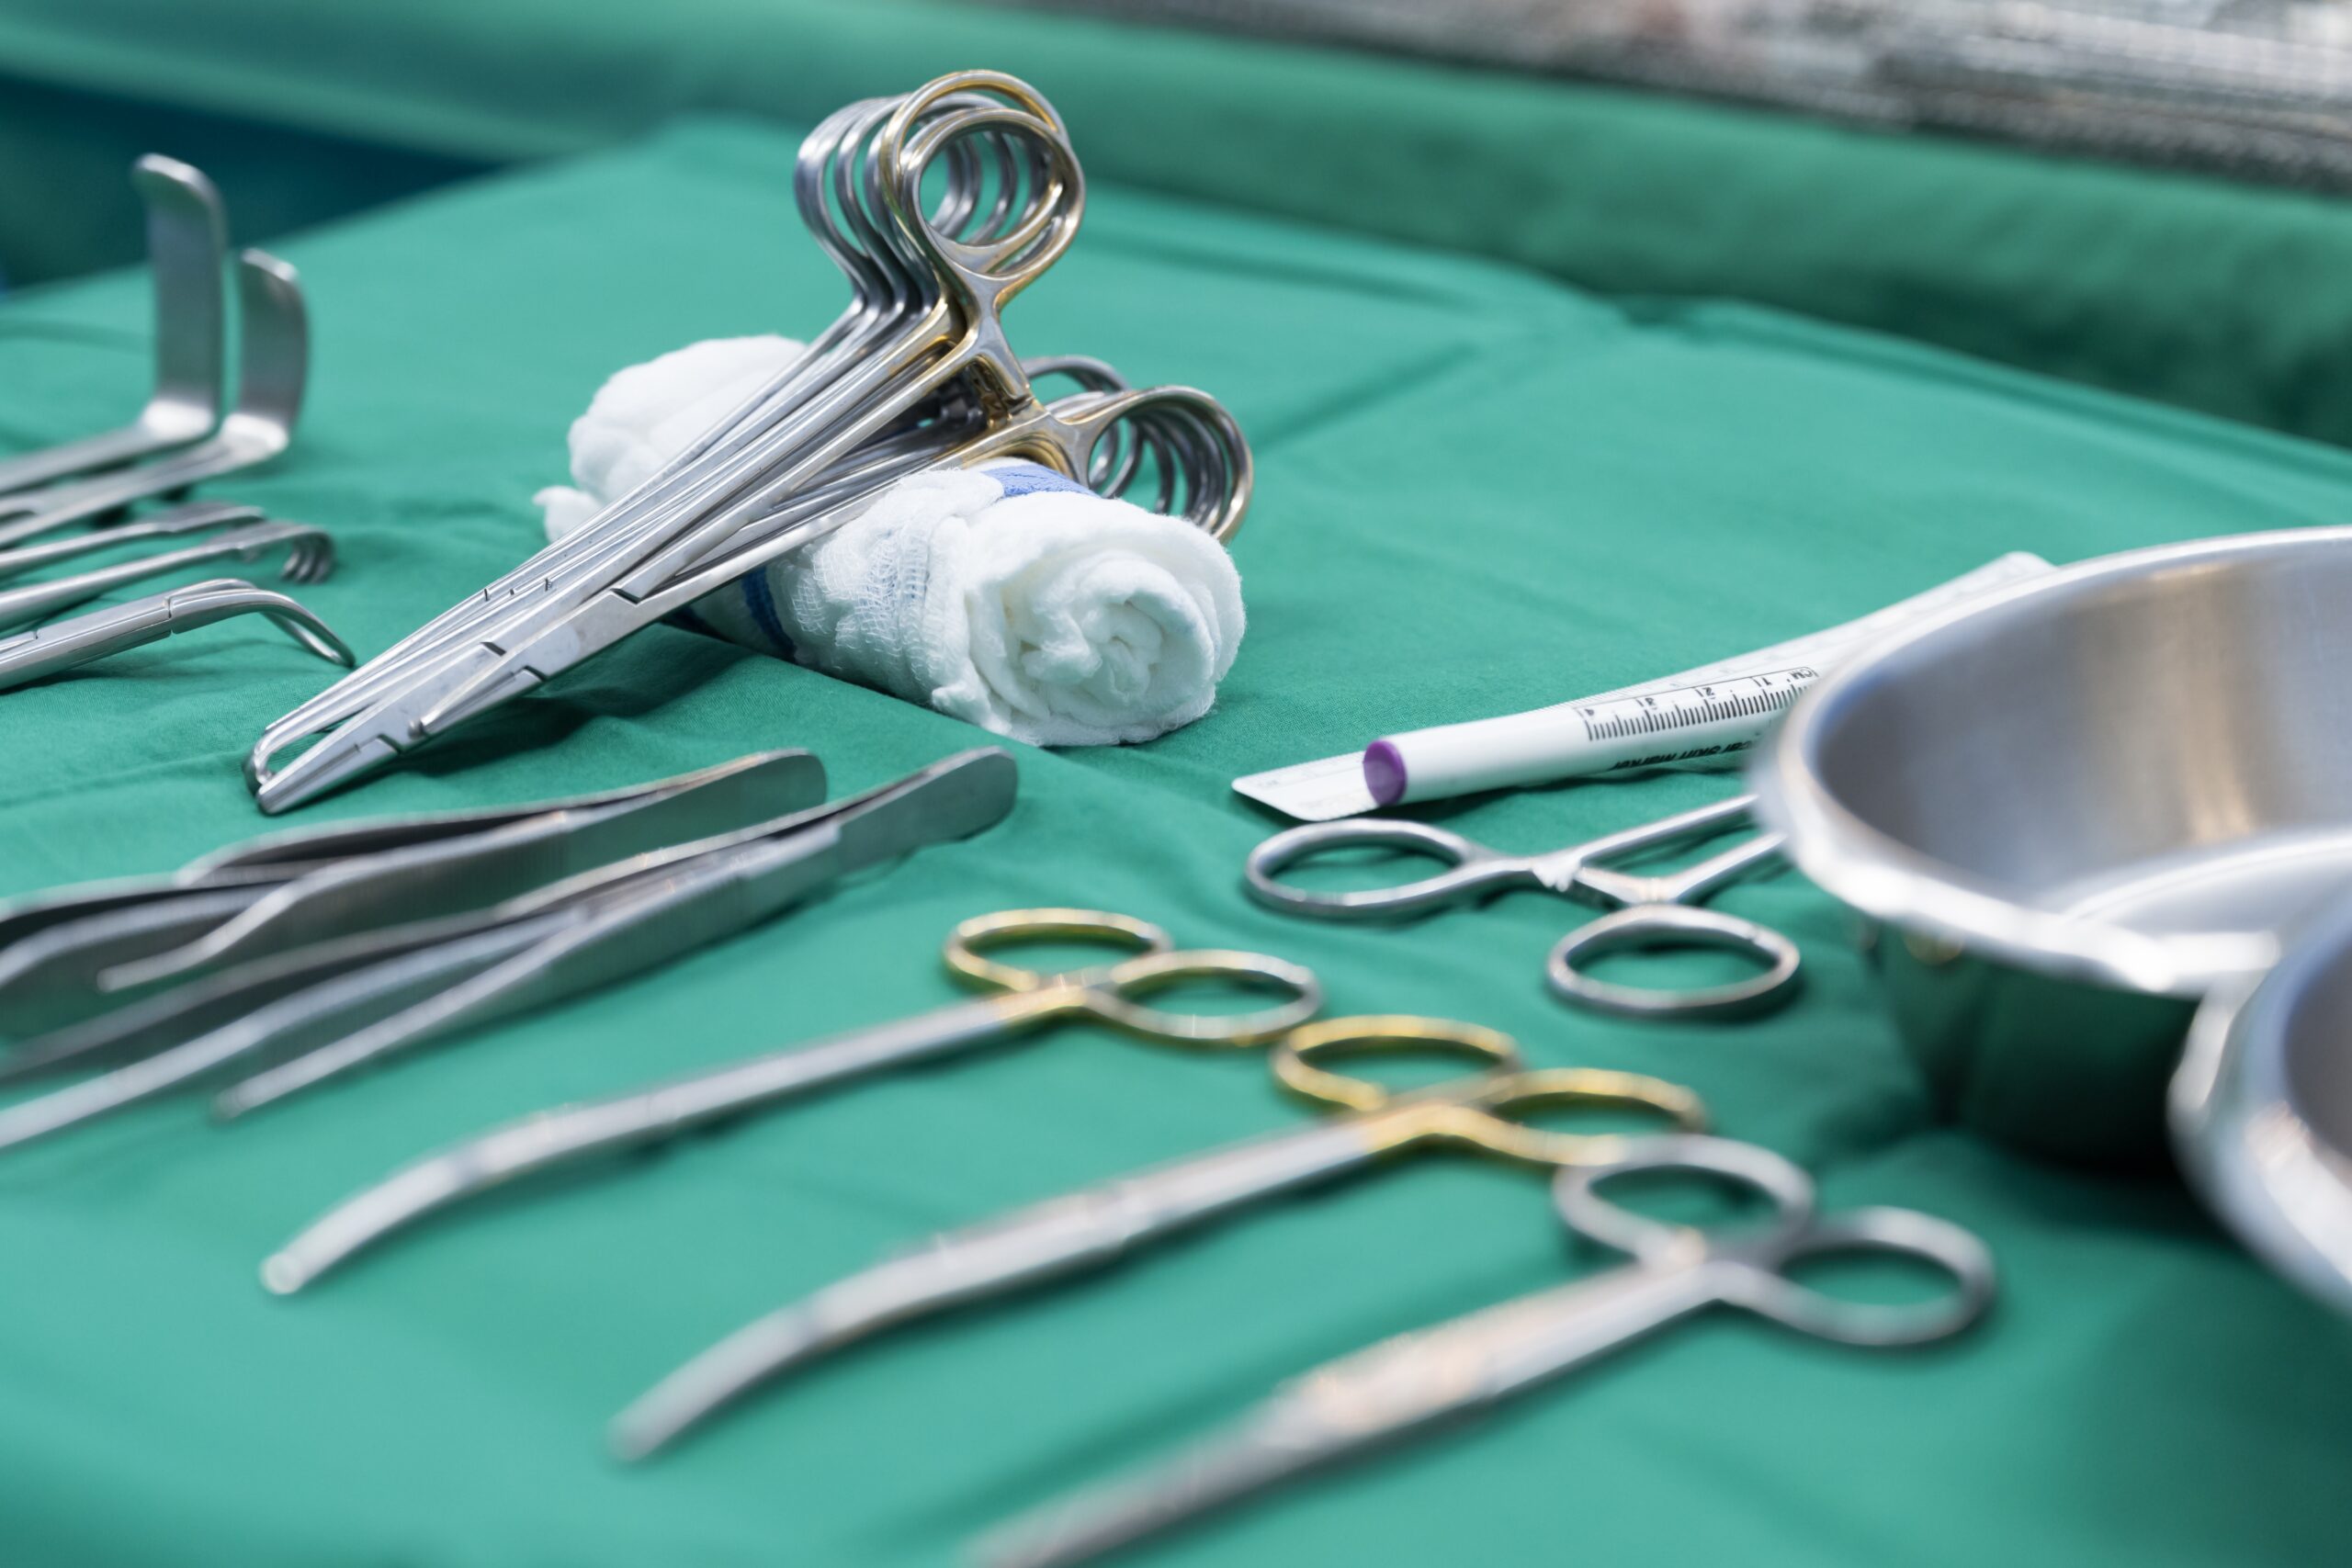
(1384, 772)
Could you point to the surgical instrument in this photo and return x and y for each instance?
(65, 645)
(62, 969)
(186, 251)
(273, 357)
(1397, 1389)
(1197, 457)
(173, 522)
(353, 913)
(604, 926)
(1095, 1229)
(56, 949)
(1646, 910)
(474, 873)
(287, 852)
(2069, 811)
(922, 333)
(310, 557)
(1026, 998)
(902, 314)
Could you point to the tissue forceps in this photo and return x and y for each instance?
(286, 853)
(310, 557)
(235, 994)
(186, 251)
(71, 951)
(64, 645)
(452, 877)
(1647, 910)
(1397, 1389)
(1023, 1000)
(273, 357)
(604, 926)
(1091, 1229)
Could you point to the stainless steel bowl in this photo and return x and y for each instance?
(2072, 807)
(2262, 1108)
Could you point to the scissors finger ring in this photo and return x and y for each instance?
(1674, 925)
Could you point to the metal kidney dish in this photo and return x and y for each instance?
(2074, 808)
(2262, 1108)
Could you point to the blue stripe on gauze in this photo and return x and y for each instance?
(759, 600)
(1031, 479)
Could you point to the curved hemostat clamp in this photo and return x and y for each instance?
(103, 633)
(916, 373)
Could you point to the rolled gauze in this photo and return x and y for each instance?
(1006, 594)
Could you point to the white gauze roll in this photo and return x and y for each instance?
(1006, 595)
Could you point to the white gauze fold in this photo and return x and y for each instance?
(1006, 595)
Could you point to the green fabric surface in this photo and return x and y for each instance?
(1478, 491)
(2189, 290)
(65, 160)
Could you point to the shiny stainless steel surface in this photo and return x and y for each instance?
(309, 551)
(187, 245)
(64, 645)
(1404, 1386)
(1645, 909)
(2262, 1108)
(1023, 1000)
(2075, 807)
(916, 373)
(273, 367)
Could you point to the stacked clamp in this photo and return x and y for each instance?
(916, 374)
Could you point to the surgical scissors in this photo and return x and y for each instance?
(1093, 1229)
(1406, 1384)
(1024, 999)
(1646, 910)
